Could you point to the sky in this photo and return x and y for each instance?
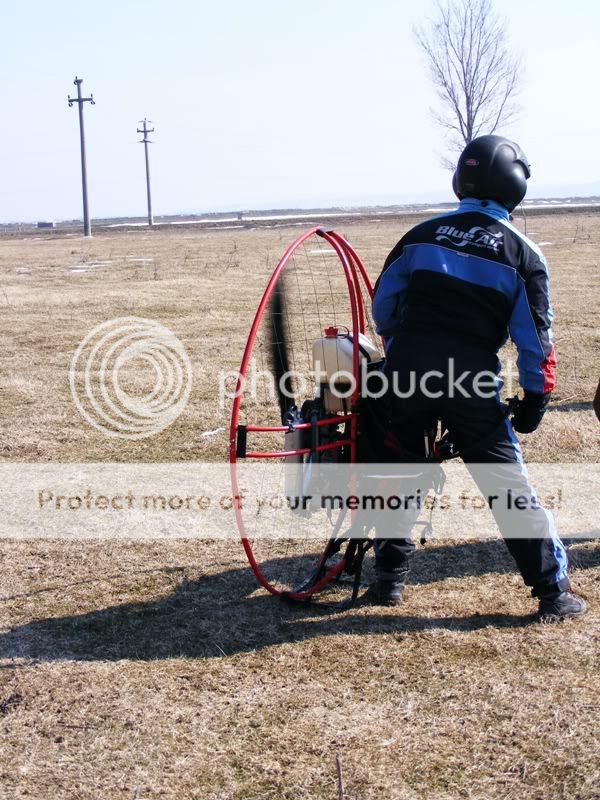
(267, 104)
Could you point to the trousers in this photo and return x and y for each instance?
(419, 368)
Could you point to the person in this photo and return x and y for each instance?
(450, 292)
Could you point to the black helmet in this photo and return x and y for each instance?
(492, 168)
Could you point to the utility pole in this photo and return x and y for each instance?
(146, 141)
(87, 230)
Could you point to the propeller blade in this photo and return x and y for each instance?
(280, 361)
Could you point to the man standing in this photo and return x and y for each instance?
(450, 292)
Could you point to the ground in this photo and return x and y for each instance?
(158, 670)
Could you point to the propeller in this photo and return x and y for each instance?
(280, 361)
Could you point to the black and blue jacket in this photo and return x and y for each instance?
(471, 275)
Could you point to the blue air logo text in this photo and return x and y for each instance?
(476, 236)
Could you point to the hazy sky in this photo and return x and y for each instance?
(265, 104)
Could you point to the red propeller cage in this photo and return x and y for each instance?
(356, 278)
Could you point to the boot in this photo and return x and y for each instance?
(388, 588)
(560, 605)
(385, 593)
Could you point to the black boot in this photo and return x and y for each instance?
(560, 605)
(388, 589)
(384, 593)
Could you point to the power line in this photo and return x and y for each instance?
(87, 230)
(145, 141)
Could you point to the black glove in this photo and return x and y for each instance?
(529, 411)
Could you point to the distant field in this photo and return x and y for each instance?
(205, 286)
(283, 217)
(157, 670)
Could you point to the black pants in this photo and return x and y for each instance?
(483, 435)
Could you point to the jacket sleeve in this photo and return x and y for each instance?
(530, 328)
(390, 291)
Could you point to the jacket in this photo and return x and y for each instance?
(471, 277)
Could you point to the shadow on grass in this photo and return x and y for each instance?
(585, 405)
(224, 614)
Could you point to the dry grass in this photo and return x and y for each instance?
(199, 281)
(158, 670)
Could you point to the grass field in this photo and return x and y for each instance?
(149, 670)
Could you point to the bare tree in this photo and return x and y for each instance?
(475, 75)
